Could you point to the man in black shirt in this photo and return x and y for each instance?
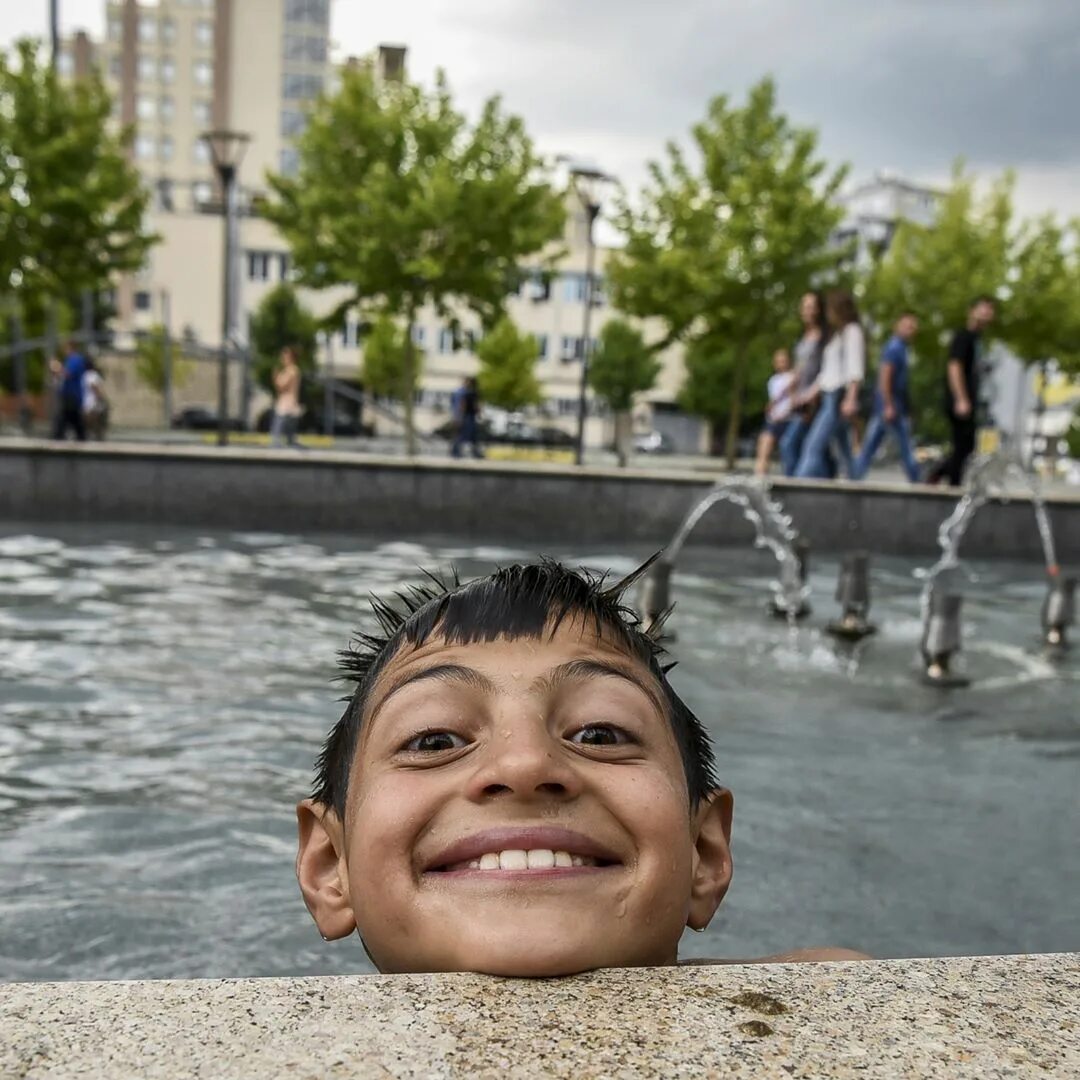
(466, 402)
(962, 389)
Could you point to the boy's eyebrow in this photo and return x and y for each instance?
(443, 672)
(575, 670)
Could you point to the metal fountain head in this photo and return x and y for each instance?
(1059, 609)
(941, 639)
(655, 598)
(853, 595)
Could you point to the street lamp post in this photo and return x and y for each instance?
(587, 183)
(227, 149)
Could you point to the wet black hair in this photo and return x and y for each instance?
(520, 601)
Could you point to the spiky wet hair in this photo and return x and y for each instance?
(524, 601)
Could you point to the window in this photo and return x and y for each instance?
(293, 123)
(569, 349)
(289, 162)
(116, 29)
(145, 107)
(574, 288)
(146, 148)
(65, 64)
(204, 72)
(147, 68)
(168, 69)
(202, 192)
(147, 29)
(301, 87)
(284, 268)
(446, 340)
(142, 300)
(116, 68)
(308, 47)
(204, 33)
(200, 152)
(418, 336)
(541, 346)
(165, 148)
(166, 108)
(258, 266)
(538, 289)
(309, 11)
(164, 193)
(201, 110)
(168, 31)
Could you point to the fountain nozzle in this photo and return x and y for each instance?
(942, 639)
(655, 598)
(1059, 610)
(853, 595)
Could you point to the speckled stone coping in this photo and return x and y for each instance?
(951, 1018)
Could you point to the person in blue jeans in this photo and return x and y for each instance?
(466, 404)
(891, 406)
(843, 367)
(807, 353)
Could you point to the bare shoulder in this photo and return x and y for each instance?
(797, 956)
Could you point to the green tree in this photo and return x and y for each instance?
(71, 204)
(391, 364)
(622, 367)
(403, 203)
(153, 360)
(936, 270)
(1041, 316)
(280, 320)
(507, 376)
(721, 251)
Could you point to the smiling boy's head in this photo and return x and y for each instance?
(514, 787)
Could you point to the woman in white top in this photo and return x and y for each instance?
(843, 367)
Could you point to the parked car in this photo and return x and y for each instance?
(654, 442)
(201, 418)
(312, 422)
(511, 430)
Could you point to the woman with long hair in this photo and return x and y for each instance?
(843, 367)
(807, 352)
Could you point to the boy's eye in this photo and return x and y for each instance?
(432, 742)
(600, 735)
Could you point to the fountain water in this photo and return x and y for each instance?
(773, 530)
(985, 479)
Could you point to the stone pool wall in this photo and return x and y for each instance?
(377, 496)
(956, 1018)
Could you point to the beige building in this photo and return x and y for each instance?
(179, 67)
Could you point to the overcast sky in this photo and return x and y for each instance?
(904, 85)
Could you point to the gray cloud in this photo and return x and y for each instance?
(905, 83)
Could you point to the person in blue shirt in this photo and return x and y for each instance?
(891, 404)
(69, 412)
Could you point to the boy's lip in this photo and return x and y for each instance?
(520, 838)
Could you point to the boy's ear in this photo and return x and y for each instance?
(321, 871)
(712, 857)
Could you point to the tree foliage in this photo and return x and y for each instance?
(402, 202)
(623, 365)
(508, 367)
(391, 365)
(71, 203)
(278, 321)
(154, 357)
(721, 248)
(935, 271)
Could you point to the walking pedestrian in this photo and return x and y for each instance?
(466, 402)
(95, 402)
(808, 350)
(286, 419)
(843, 367)
(892, 406)
(69, 413)
(962, 389)
(778, 411)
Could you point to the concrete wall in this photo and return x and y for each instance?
(960, 1018)
(529, 504)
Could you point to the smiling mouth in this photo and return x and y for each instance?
(531, 860)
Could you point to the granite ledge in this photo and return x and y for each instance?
(982, 1017)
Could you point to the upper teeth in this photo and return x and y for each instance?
(515, 859)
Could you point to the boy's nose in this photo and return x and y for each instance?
(526, 762)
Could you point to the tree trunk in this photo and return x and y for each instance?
(624, 423)
(409, 379)
(735, 415)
